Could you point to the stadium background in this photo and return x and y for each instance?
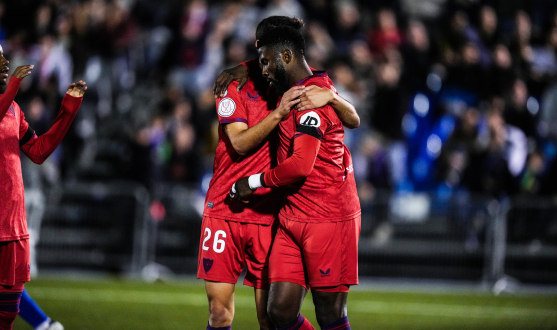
(456, 156)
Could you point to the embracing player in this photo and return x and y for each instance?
(233, 234)
(16, 136)
(316, 245)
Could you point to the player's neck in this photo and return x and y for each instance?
(300, 71)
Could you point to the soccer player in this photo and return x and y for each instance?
(316, 245)
(16, 135)
(232, 234)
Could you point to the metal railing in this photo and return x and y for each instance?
(108, 227)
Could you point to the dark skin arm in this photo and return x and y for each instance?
(314, 97)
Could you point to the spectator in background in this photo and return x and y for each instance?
(347, 27)
(387, 34)
(501, 74)
(460, 150)
(518, 112)
(488, 29)
(320, 46)
(390, 104)
(418, 55)
(520, 44)
(499, 166)
(467, 72)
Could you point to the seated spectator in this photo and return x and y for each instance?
(387, 35)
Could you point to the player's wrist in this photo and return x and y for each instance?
(333, 97)
(256, 181)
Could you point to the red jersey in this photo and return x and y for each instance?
(251, 105)
(328, 193)
(16, 135)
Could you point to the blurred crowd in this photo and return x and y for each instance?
(454, 95)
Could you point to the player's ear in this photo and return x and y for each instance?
(287, 56)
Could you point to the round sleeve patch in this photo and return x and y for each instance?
(310, 119)
(227, 106)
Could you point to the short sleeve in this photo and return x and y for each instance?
(231, 108)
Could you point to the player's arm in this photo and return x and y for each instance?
(7, 98)
(238, 73)
(244, 139)
(295, 168)
(316, 97)
(38, 148)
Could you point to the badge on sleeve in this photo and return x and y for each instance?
(310, 119)
(227, 106)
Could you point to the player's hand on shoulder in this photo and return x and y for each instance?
(238, 73)
(314, 97)
(289, 100)
(241, 190)
(77, 89)
(23, 71)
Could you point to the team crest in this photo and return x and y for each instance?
(12, 110)
(207, 264)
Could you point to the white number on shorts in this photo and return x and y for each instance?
(208, 232)
(217, 242)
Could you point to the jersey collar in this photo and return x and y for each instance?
(316, 74)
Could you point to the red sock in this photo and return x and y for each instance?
(300, 324)
(7, 320)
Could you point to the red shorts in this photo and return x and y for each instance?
(226, 246)
(14, 262)
(321, 256)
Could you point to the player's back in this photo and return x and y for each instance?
(328, 193)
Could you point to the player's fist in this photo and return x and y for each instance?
(77, 89)
(241, 190)
(23, 71)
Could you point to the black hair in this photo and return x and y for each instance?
(277, 21)
(284, 37)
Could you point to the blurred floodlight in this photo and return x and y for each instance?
(434, 82)
(93, 71)
(533, 105)
(421, 105)
(434, 144)
(409, 124)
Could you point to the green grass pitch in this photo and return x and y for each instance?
(123, 304)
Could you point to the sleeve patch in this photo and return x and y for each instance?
(227, 106)
(310, 119)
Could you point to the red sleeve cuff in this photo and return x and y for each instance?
(16, 79)
(71, 103)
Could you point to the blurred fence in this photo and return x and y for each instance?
(110, 227)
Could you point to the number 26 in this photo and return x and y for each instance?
(218, 244)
